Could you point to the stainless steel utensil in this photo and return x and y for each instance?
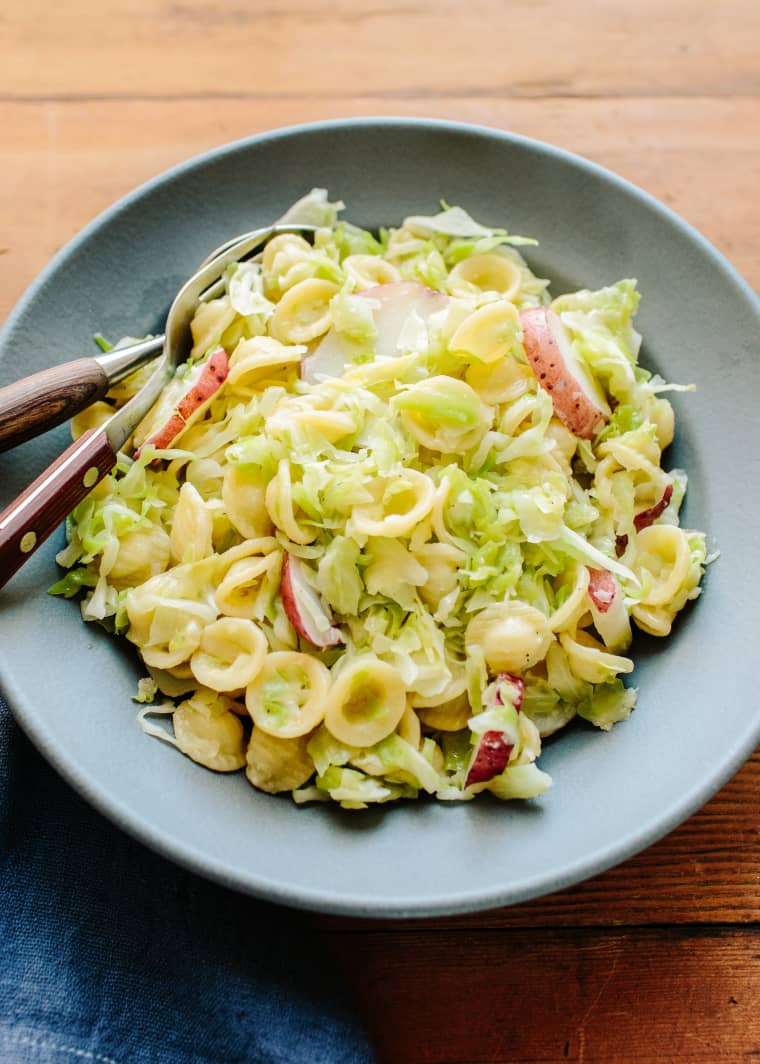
(43, 400)
(31, 518)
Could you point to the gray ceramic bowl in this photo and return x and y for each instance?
(697, 717)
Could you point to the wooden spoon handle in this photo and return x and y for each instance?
(38, 511)
(45, 399)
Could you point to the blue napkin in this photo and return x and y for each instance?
(111, 955)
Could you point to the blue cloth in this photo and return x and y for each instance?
(111, 955)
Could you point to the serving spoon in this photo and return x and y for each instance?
(43, 400)
(37, 512)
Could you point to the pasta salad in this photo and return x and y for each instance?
(391, 524)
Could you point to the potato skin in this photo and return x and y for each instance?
(193, 402)
(602, 588)
(292, 590)
(575, 408)
(491, 756)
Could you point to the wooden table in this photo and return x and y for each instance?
(657, 960)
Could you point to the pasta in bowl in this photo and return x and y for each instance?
(402, 530)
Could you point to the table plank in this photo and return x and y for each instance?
(65, 162)
(664, 996)
(387, 48)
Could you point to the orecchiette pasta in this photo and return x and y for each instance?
(450, 716)
(230, 653)
(398, 504)
(454, 688)
(653, 620)
(142, 553)
(279, 503)
(660, 413)
(409, 727)
(444, 414)
(244, 592)
(303, 313)
(643, 459)
(488, 334)
(502, 381)
(330, 425)
(210, 321)
(192, 527)
(274, 764)
(244, 501)
(285, 261)
(167, 632)
(662, 563)
(589, 660)
(512, 635)
(489, 273)
(288, 696)
(366, 271)
(255, 359)
(442, 563)
(365, 703)
(210, 733)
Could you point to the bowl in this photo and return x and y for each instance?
(697, 719)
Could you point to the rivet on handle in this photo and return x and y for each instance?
(28, 542)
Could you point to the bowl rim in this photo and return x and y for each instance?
(303, 897)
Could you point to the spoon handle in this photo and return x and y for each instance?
(38, 511)
(42, 401)
(45, 399)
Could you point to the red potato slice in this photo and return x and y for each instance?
(493, 750)
(395, 303)
(303, 607)
(193, 403)
(329, 358)
(648, 517)
(491, 758)
(602, 589)
(608, 609)
(578, 400)
(210, 381)
(518, 689)
(398, 301)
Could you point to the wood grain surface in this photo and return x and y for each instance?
(655, 961)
